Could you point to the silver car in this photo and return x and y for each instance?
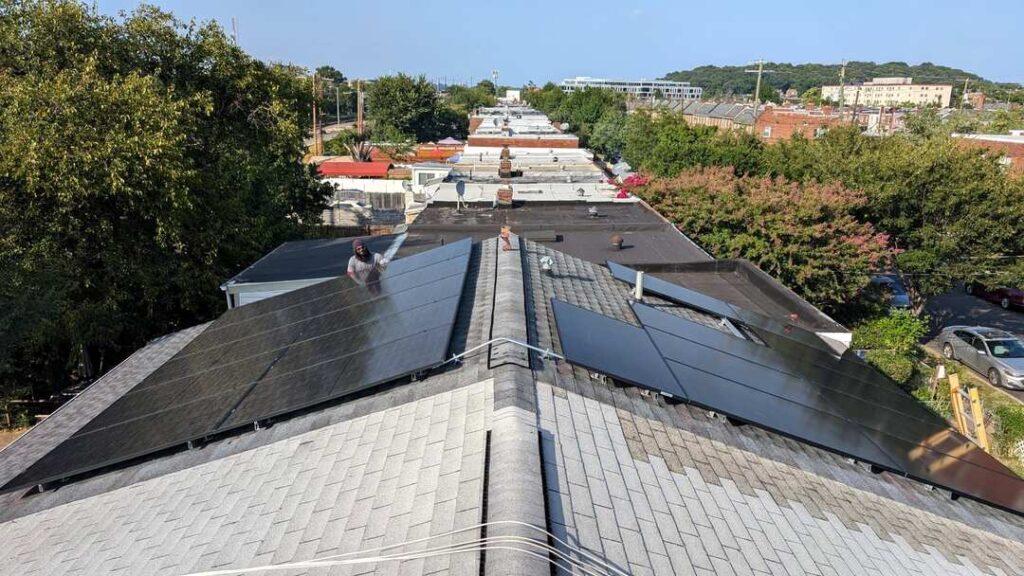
(997, 354)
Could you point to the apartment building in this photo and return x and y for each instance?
(641, 89)
(890, 92)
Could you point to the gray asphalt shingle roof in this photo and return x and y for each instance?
(652, 488)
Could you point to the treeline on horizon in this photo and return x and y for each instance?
(723, 81)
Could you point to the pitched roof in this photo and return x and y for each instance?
(308, 259)
(612, 472)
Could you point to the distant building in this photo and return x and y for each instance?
(1010, 146)
(774, 124)
(771, 123)
(890, 92)
(642, 89)
(518, 127)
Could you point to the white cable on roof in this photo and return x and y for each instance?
(477, 545)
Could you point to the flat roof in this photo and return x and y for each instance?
(569, 227)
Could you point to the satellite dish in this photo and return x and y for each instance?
(406, 186)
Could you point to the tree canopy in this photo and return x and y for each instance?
(412, 106)
(143, 161)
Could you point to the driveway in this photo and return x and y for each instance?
(958, 307)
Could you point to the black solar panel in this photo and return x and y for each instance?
(612, 347)
(765, 327)
(838, 404)
(274, 357)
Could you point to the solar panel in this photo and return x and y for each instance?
(885, 427)
(612, 347)
(837, 404)
(274, 357)
(764, 326)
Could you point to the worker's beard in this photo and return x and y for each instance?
(363, 255)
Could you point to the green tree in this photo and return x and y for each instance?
(466, 100)
(337, 95)
(769, 94)
(412, 106)
(582, 109)
(487, 87)
(664, 144)
(144, 161)
(811, 96)
(949, 210)
(547, 99)
(608, 136)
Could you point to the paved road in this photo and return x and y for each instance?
(958, 307)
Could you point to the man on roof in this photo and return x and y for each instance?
(364, 266)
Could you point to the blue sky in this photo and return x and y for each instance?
(542, 40)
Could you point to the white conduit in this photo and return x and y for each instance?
(585, 562)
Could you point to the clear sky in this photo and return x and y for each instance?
(543, 40)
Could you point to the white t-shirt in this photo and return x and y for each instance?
(366, 271)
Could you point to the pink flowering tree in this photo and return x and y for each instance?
(805, 235)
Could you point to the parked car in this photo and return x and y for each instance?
(995, 353)
(1004, 296)
(892, 286)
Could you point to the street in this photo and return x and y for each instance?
(959, 308)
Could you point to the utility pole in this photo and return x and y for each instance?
(757, 90)
(842, 89)
(234, 29)
(317, 146)
(963, 99)
(359, 107)
(337, 104)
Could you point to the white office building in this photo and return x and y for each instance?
(642, 89)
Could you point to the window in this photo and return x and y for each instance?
(1006, 348)
(767, 132)
(978, 344)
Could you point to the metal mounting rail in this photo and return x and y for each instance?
(545, 353)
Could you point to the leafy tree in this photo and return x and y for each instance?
(1002, 121)
(582, 109)
(811, 96)
(806, 235)
(769, 94)
(949, 210)
(335, 90)
(665, 144)
(412, 106)
(487, 87)
(608, 136)
(466, 100)
(547, 99)
(143, 161)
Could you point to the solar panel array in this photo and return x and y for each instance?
(274, 357)
(767, 328)
(839, 404)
